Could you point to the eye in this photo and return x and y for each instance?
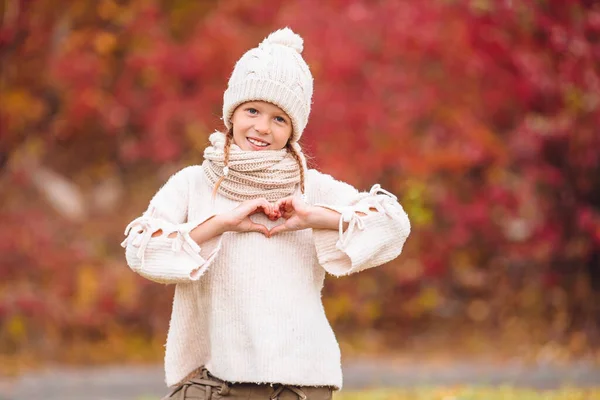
(281, 120)
(252, 110)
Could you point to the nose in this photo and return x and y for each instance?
(262, 126)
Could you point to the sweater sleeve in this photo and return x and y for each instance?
(377, 226)
(165, 259)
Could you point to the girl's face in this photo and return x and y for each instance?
(258, 125)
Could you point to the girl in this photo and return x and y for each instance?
(248, 236)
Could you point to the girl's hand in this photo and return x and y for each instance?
(238, 219)
(296, 213)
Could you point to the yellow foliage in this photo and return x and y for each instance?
(107, 9)
(16, 328)
(428, 299)
(197, 135)
(127, 290)
(21, 107)
(372, 310)
(412, 201)
(87, 288)
(105, 43)
(337, 306)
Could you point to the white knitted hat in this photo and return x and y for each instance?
(274, 72)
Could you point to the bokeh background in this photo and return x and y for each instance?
(481, 115)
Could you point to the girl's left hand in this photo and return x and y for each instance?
(296, 214)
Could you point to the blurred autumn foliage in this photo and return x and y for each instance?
(481, 115)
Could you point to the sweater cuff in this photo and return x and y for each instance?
(166, 259)
(376, 233)
(346, 254)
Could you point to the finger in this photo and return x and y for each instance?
(281, 201)
(259, 205)
(278, 229)
(266, 206)
(257, 209)
(289, 210)
(284, 205)
(271, 211)
(274, 212)
(277, 212)
(286, 215)
(260, 229)
(249, 206)
(289, 204)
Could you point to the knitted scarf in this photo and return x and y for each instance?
(271, 174)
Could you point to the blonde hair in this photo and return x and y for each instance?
(292, 150)
(226, 148)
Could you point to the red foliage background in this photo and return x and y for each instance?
(481, 115)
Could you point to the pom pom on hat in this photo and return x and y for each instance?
(274, 72)
(285, 37)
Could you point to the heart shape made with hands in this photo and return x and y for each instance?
(293, 210)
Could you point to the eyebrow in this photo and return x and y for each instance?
(276, 113)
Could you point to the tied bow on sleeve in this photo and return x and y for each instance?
(377, 198)
(146, 226)
(383, 201)
(354, 222)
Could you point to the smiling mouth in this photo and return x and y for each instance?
(257, 143)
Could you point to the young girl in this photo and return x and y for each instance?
(248, 236)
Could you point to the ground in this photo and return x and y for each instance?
(146, 382)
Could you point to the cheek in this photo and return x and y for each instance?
(285, 134)
(240, 128)
(282, 137)
(237, 135)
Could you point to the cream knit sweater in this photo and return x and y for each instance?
(249, 307)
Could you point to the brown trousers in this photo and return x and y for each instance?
(207, 387)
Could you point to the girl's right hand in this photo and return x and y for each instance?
(238, 219)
